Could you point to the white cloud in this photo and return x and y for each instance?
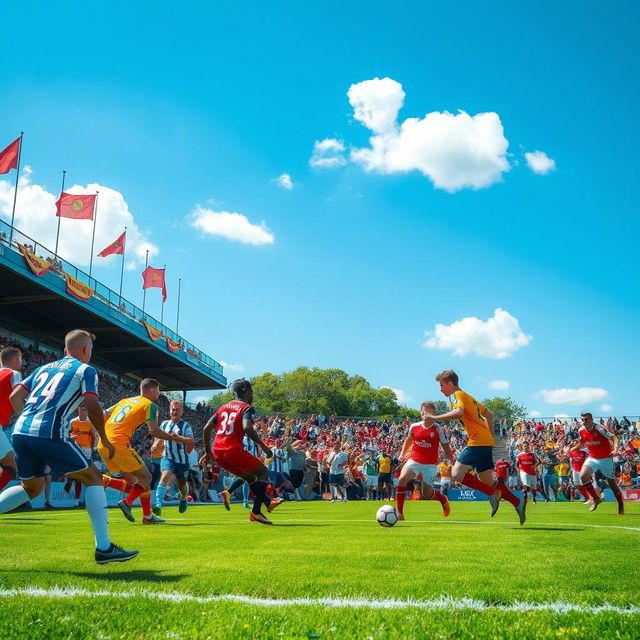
(539, 162)
(498, 337)
(535, 414)
(499, 385)
(284, 181)
(199, 399)
(401, 396)
(562, 416)
(583, 395)
(606, 407)
(231, 367)
(328, 154)
(455, 151)
(233, 226)
(36, 217)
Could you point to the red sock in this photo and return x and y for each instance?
(145, 502)
(119, 484)
(401, 494)
(583, 490)
(67, 485)
(133, 494)
(507, 495)
(619, 499)
(591, 491)
(78, 490)
(6, 477)
(436, 495)
(474, 483)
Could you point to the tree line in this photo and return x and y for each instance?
(333, 392)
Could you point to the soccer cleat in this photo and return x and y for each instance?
(595, 503)
(157, 509)
(495, 504)
(274, 503)
(332, 500)
(344, 500)
(226, 499)
(521, 510)
(258, 517)
(126, 511)
(621, 509)
(400, 516)
(153, 520)
(114, 554)
(246, 505)
(182, 507)
(446, 509)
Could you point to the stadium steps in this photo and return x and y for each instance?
(501, 449)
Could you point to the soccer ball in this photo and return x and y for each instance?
(387, 515)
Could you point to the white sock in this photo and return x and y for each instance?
(96, 505)
(12, 497)
(343, 492)
(334, 492)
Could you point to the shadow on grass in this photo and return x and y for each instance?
(285, 524)
(550, 528)
(136, 575)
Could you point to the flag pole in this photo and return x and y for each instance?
(15, 193)
(164, 269)
(178, 314)
(122, 269)
(64, 173)
(144, 290)
(93, 237)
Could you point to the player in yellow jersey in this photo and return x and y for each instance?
(85, 436)
(124, 419)
(478, 454)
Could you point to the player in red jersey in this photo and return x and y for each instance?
(424, 444)
(597, 440)
(502, 468)
(234, 420)
(10, 377)
(528, 463)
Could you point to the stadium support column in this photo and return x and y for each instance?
(93, 235)
(64, 173)
(15, 192)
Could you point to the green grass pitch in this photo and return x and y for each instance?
(564, 555)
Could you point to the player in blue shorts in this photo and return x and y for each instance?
(46, 402)
(174, 463)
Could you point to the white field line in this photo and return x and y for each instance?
(440, 603)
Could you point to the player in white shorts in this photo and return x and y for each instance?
(527, 463)
(424, 444)
(10, 377)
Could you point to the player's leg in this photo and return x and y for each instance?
(586, 477)
(8, 465)
(406, 475)
(463, 465)
(166, 478)
(227, 493)
(429, 492)
(30, 466)
(48, 481)
(608, 472)
(245, 494)
(142, 491)
(181, 480)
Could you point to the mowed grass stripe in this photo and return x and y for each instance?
(440, 603)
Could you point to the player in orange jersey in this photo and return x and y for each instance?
(124, 419)
(86, 437)
(477, 421)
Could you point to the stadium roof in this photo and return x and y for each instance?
(42, 309)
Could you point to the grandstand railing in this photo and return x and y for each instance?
(12, 237)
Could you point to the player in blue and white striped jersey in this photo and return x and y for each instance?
(45, 402)
(174, 464)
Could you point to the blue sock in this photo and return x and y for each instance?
(245, 493)
(161, 492)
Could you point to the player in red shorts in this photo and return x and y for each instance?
(424, 443)
(234, 420)
(597, 440)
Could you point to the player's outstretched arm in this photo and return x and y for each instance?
(454, 414)
(157, 432)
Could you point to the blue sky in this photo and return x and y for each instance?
(208, 104)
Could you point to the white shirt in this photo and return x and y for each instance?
(337, 458)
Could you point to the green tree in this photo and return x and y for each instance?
(505, 409)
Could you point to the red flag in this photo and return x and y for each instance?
(76, 207)
(9, 157)
(154, 278)
(116, 247)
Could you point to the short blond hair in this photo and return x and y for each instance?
(428, 405)
(77, 337)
